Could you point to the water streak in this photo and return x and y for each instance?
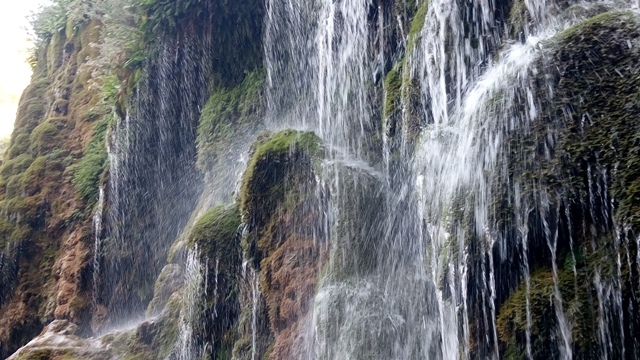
(97, 245)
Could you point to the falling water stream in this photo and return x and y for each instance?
(387, 302)
(403, 280)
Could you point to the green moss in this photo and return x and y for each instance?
(417, 23)
(153, 339)
(16, 165)
(46, 136)
(393, 91)
(87, 172)
(19, 146)
(586, 135)
(604, 127)
(518, 16)
(14, 186)
(31, 109)
(34, 176)
(217, 227)
(216, 235)
(230, 114)
(236, 40)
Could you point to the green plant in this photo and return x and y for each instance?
(87, 172)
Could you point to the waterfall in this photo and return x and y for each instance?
(153, 184)
(438, 179)
(404, 281)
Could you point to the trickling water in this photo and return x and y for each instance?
(255, 297)
(97, 245)
(420, 319)
(191, 312)
(551, 236)
(153, 183)
(522, 212)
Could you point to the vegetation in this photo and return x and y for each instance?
(230, 116)
(88, 171)
(393, 91)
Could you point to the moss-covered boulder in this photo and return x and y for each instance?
(271, 176)
(285, 210)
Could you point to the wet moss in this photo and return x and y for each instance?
(417, 23)
(582, 152)
(599, 84)
(31, 109)
(169, 281)
(233, 32)
(153, 339)
(19, 146)
(230, 115)
(88, 171)
(216, 231)
(393, 91)
(16, 165)
(264, 181)
(518, 17)
(46, 137)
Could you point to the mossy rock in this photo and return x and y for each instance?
(417, 23)
(31, 109)
(16, 165)
(19, 146)
(580, 307)
(519, 17)
(216, 231)
(47, 136)
(603, 127)
(393, 91)
(582, 153)
(169, 281)
(152, 339)
(279, 163)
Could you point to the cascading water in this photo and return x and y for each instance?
(154, 184)
(467, 193)
(409, 280)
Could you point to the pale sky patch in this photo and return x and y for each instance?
(15, 73)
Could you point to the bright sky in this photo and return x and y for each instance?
(14, 71)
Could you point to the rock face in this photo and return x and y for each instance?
(46, 241)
